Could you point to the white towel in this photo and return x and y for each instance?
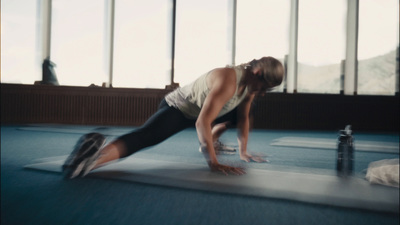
(385, 172)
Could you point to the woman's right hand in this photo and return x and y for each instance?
(226, 169)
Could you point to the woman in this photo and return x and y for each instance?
(219, 97)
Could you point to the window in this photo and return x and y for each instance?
(321, 45)
(19, 50)
(377, 43)
(201, 38)
(262, 29)
(142, 41)
(141, 56)
(77, 42)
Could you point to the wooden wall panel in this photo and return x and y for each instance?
(132, 107)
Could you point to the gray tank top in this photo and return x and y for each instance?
(190, 98)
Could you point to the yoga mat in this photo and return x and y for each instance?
(351, 192)
(326, 143)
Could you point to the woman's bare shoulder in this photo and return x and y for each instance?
(221, 75)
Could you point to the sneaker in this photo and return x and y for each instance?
(84, 156)
(221, 148)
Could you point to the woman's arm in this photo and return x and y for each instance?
(244, 129)
(243, 124)
(222, 85)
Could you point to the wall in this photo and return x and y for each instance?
(22, 104)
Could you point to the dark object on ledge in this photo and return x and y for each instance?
(49, 76)
(172, 86)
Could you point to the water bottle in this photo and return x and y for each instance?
(345, 152)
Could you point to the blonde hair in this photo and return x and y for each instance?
(271, 68)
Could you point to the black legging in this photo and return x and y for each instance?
(166, 122)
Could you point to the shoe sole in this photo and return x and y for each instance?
(226, 152)
(222, 152)
(80, 163)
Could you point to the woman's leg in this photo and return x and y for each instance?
(218, 129)
(228, 121)
(166, 122)
(223, 123)
(111, 152)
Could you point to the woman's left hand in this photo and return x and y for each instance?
(252, 158)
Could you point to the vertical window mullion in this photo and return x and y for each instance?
(293, 39)
(350, 77)
(232, 12)
(109, 43)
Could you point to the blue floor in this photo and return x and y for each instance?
(31, 197)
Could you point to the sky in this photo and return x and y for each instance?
(142, 37)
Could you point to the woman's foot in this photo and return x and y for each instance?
(84, 156)
(222, 149)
